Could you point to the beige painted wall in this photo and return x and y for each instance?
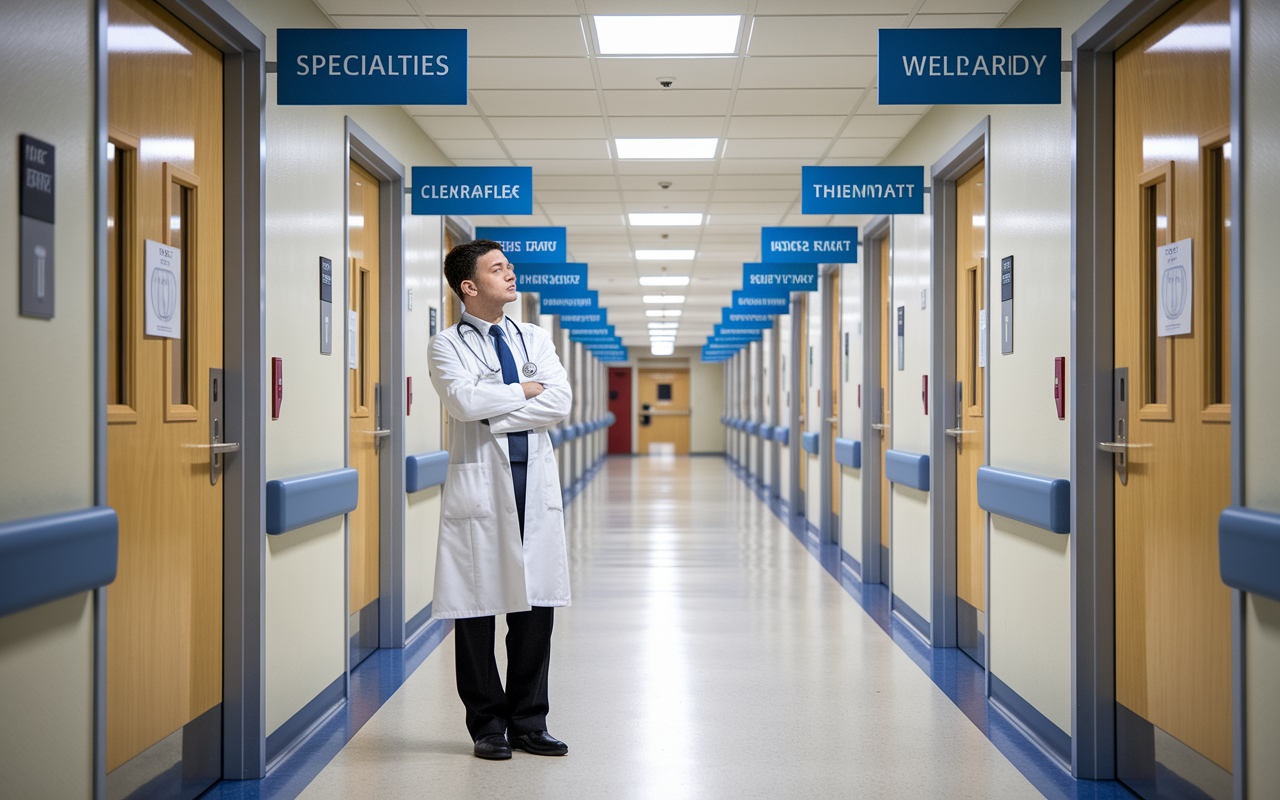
(1261, 284)
(46, 51)
(306, 172)
(706, 393)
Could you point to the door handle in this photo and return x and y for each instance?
(880, 426)
(216, 448)
(378, 433)
(1120, 447)
(955, 432)
(833, 419)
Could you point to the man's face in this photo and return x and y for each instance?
(495, 279)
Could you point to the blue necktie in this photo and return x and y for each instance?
(517, 443)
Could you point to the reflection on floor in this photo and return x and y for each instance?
(707, 654)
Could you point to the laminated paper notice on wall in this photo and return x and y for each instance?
(1174, 289)
(353, 339)
(163, 282)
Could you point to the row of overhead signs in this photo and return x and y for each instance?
(429, 67)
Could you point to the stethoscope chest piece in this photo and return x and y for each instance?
(529, 369)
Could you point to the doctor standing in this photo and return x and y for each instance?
(502, 542)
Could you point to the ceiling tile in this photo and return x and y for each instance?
(590, 220)
(568, 183)
(817, 102)
(470, 148)
(863, 148)
(538, 102)
(582, 209)
(819, 35)
(851, 162)
(751, 166)
(743, 219)
(672, 206)
(759, 182)
(808, 72)
(664, 7)
(967, 6)
(897, 125)
(557, 196)
(665, 168)
(481, 162)
(442, 111)
(753, 196)
(775, 148)
(640, 183)
(774, 7)
(655, 102)
(367, 7)
(871, 105)
(784, 127)
(383, 21)
(519, 36)
(772, 209)
(455, 127)
(530, 73)
(689, 73)
(658, 195)
(956, 20)
(521, 149)
(549, 127)
(507, 8)
(665, 127)
(551, 166)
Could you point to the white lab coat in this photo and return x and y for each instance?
(482, 568)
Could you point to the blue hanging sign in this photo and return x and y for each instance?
(779, 279)
(371, 67)
(746, 319)
(819, 245)
(769, 304)
(544, 245)
(967, 66)
(585, 302)
(599, 330)
(550, 280)
(749, 332)
(862, 190)
(472, 190)
(585, 319)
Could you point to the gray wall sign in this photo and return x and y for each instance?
(36, 227)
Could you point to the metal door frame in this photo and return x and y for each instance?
(872, 446)
(244, 361)
(973, 147)
(828, 528)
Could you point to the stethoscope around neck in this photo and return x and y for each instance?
(528, 370)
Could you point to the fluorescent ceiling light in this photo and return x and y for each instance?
(656, 35)
(662, 348)
(662, 335)
(662, 312)
(667, 148)
(664, 255)
(664, 280)
(656, 325)
(665, 219)
(664, 298)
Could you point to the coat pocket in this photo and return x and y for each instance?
(468, 492)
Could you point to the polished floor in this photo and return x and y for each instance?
(707, 654)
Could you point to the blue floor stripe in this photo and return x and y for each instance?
(958, 676)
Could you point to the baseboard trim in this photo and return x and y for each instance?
(1036, 726)
(298, 727)
(913, 620)
(415, 624)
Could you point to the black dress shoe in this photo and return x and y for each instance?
(540, 743)
(493, 747)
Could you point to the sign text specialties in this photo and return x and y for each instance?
(552, 280)
(862, 190)
(348, 66)
(966, 66)
(544, 245)
(779, 279)
(472, 190)
(819, 245)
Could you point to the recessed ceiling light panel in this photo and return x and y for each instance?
(662, 312)
(662, 35)
(662, 348)
(671, 220)
(665, 255)
(664, 298)
(667, 149)
(664, 280)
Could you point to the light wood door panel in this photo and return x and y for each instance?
(836, 376)
(1173, 631)
(164, 611)
(668, 419)
(363, 273)
(970, 300)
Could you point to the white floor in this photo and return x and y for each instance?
(707, 654)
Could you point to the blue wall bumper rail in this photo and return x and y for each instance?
(556, 436)
(43, 559)
(295, 502)
(782, 434)
(809, 441)
(848, 453)
(1043, 502)
(766, 433)
(753, 428)
(425, 470)
(908, 469)
(1248, 550)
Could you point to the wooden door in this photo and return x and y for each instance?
(164, 611)
(802, 371)
(1173, 626)
(366, 438)
(969, 428)
(833, 301)
(664, 401)
(620, 407)
(881, 400)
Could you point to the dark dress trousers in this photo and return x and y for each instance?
(522, 707)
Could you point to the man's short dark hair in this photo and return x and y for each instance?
(460, 264)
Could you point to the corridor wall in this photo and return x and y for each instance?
(47, 416)
(813, 421)
(306, 621)
(706, 392)
(850, 411)
(1029, 216)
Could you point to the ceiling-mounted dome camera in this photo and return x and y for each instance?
(666, 83)
(664, 184)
